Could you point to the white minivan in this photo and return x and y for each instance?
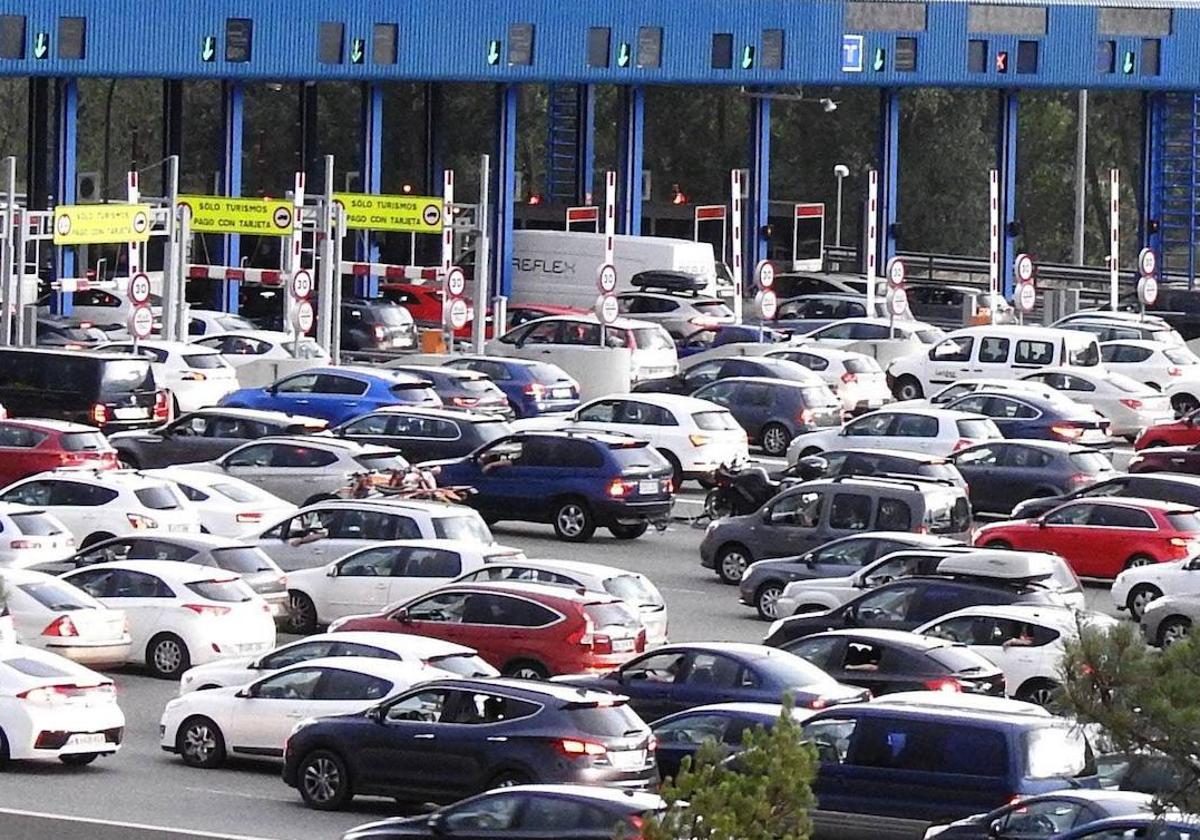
(1003, 351)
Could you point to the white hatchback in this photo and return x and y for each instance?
(180, 614)
(1150, 362)
(1129, 406)
(934, 431)
(855, 378)
(227, 506)
(197, 377)
(245, 346)
(53, 615)
(1134, 588)
(31, 536)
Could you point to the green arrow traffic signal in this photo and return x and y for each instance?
(1127, 66)
(747, 57)
(623, 56)
(209, 51)
(880, 59)
(493, 53)
(41, 45)
(357, 51)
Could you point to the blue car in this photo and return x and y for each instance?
(675, 678)
(1144, 827)
(573, 480)
(1032, 417)
(680, 735)
(336, 394)
(533, 388)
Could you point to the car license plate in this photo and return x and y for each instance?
(622, 645)
(179, 528)
(561, 393)
(648, 488)
(86, 739)
(628, 759)
(134, 413)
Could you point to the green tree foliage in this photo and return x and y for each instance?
(766, 795)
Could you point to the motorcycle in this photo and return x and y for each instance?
(743, 488)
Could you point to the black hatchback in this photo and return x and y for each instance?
(449, 738)
(462, 389)
(424, 434)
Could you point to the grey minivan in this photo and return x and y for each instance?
(811, 514)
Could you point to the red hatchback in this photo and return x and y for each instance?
(525, 630)
(33, 446)
(1182, 432)
(1101, 537)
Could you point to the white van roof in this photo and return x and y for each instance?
(1019, 331)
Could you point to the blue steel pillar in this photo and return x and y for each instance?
(230, 248)
(889, 172)
(68, 139)
(1006, 164)
(585, 152)
(433, 139)
(629, 177)
(758, 213)
(1150, 204)
(504, 185)
(371, 155)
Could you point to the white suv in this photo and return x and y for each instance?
(1136, 587)
(197, 377)
(855, 378)
(933, 431)
(97, 505)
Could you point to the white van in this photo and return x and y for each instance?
(554, 266)
(1002, 351)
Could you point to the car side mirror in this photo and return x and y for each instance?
(402, 616)
(1041, 522)
(851, 616)
(375, 713)
(809, 560)
(243, 692)
(436, 823)
(766, 515)
(333, 572)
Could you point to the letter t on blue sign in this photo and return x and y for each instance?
(852, 53)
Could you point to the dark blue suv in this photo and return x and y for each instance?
(576, 481)
(336, 394)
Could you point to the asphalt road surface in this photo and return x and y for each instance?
(145, 794)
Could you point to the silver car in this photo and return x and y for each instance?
(1169, 619)
(680, 315)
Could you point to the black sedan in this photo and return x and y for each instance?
(1002, 474)
(424, 434)
(570, 812)
(680, 735)
(677, 677)
(1046, 815)
(206, 435)
(462, 389)
(886, 661)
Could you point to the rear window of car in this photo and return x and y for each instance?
(157, 497)
(228, 591)
(1188, 522)
(1057, 751)
(204, 361)
(938, 470)
(476, 386)
(1090, 462)
(947, 514)
(652, 338)
(469, 528)
(384, 461)
(714, 421)
(36, 524)
(242, 559)
(606, 721)
(633, 589)
(491, 430)
(393, 316)
(84, 442)
(978, 429)
(57, 596)
(613, 613)
(817, 396)
(1179, 356)
(126, 375)
(34, 668)
(713, 308)
(237, 493)
(866, 365)
(959, 659)
(639, 456)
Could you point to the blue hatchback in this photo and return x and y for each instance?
(1033, 417)
(532, 387)
(336, 394)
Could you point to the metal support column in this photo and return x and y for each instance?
(585, 155)
(172, 118)
(433, 139)
(234, 100)
(1150, 204)
(629, 167)
(889, 172)
(504, 187)
(758, 214)
(310, 153)
(64, 187)
(371, 156)
(1006, 164)
(38, 170)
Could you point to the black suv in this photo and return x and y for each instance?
(377, 326)
(450, 738)
(1166, 487)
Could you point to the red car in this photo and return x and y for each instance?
(1102, 536)
(524, 630)
(1183, 432)
(34, 446)
(1178, 459)
(424, 303)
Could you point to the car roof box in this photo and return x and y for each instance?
(670, 281)
(1012, 566)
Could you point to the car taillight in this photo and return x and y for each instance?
(51, 694)
(1181, 542)
(699, 440)
(99, 414)
(1132, 403)
(805, 416)
(62, 626)
(962, 443)
(380, 332)
(849, 377)
(1080, 479)
(948, 684)
(601, 643)
(704, 321)
(464, 401)
(619, 487)
(162, 405)
(635, 827)
(572, 746)
(252, 516)
(19, 544)
(536, 390)
(194, 376)
(138, 522)
(640, 644)
(1174, 371)
(1066, 432)
(207, 609)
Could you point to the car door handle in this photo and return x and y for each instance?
(296, 715)
(424, 736)
(498, 739)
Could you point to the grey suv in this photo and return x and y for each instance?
(811, 514)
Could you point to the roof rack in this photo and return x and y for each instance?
(914, 481)
(669, 281)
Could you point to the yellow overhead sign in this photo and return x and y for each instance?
(96, 224)
(257, 216)
(397, 213)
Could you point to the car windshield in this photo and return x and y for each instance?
(1185, 521)
(57, 596)
(228, 591)
(36, 668)
(243, 560)
(157, 497)
(125, 375)
(930, 336)
(463, 664)
(36, 524)
(205, 361)
(1082, 350)
(1090, 462)
(633, 589)
(864, 365)
(714, 421)
(84, 442)
(469, 528)
(233, 323)
(1052, 751)
(239, 493)
(652, 338)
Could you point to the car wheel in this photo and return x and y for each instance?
(200, 743)
(775, 439)
(628, 532)
(676, 468)
(3, 749)
(573, 521)
(766, 600)
(78, 759)
(1139, 597)
(509, 778)
(1172, 630)
(526, 669)
(1037, 691)
(1139, 560)
(998, 544)
(167, 656)
(302, 614)
(324, 781)
(732, 561)
(91, 539)
(908, 388)
(1184, 403)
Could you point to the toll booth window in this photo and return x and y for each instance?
(1151, 51)
(1027, 56)
(772, 49)
(383, 43)
(977, 56)
(1006, 20)
(520, 44)
(239, 39)
(599, 46)
(72, 38)
(884, 17)
(1106, 57)
(329, 42)
(649, 54)
(12, 36)
(722, 51)
(1130, 21)
(906, 55)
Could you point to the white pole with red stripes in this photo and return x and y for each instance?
(1114, 236)
(447, 250)
(133, 195)
(994, 242)
(872, 239)
(735, 240)
(610, 216)
(292, 261)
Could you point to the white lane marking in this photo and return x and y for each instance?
(186, 832)
(233, 793)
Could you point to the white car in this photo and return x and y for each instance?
(206, 727)
(51, 707)
(245, 346)
(207, 322)
(1134, 588)
(855, 378)
(180, 614)
(369, 579)
(32, 536)
(317, 534)
(934, 431)
(1129, 406)
(108, 310)
(404, 647)
(113, 503)
(873, 331)
(53, 615)
(695, 436)
(1118, 326)
(1150, 362)
(227, 506)
(1024, 641)
(969, 386)
(197, 377)
(635, 589)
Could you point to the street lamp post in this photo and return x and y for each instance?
(840, 172)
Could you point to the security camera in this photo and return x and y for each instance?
(828, 106)
(841, 171)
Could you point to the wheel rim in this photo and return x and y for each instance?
(768, 602)
(1137, 604)
(321, 779)
(1137, 562)
(303, 613)
(526, 672)
(199, 742)
(508, 781)
(733, 564)
(908, 391)
(1174, 632)
(1041, 695)
(167, 656)
(571, 520)
(775, 440)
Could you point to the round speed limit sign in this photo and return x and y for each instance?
(765, 272)
(606, 279)
(301, 284)
(139, 289)
(456, 281)
(895, 272)
(1147, 262)
(1026, 297)
(1023, 265)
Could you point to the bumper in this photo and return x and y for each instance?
(116, 653)
(785, 606)
(631, 513)
(702, 461)
(74, 731)
(241, 639)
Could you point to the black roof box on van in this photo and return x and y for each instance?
(669, 281)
